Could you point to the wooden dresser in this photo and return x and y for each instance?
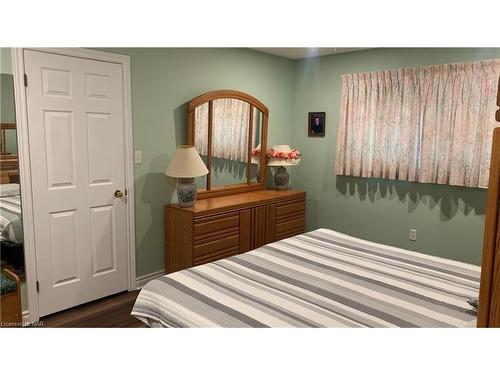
(216, 228)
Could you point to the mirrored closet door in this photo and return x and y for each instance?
(11, 228)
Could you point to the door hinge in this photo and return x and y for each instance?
(25, 80)
(37, 286)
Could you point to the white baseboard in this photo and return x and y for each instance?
(26, 316)
(143, 280)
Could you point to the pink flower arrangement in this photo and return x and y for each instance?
(292, 155)
(256, 151)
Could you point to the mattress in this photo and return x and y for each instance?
(318, 279)
(11, 227)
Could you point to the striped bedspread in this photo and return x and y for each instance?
(11, 227)
(319, 279)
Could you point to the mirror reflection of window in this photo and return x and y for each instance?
(230, 129)
(201, 131)
(229, 141)
(11, 229)
(201, 140)
(227, 131)
(255, 144)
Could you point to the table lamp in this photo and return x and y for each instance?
(281, 156)
(186, 165)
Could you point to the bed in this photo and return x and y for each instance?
(11, 228)
(321, 278)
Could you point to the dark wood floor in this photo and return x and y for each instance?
(109, 312)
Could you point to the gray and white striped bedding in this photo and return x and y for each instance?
(319, 279)
(11, 227)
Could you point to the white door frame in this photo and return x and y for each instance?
(25, 167)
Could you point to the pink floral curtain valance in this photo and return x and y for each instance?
(426, 124)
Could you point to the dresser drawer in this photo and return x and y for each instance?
(285, 209)
(216, 224)
(290, 218)
(216, 244)
(297, 224)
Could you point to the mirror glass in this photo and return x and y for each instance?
(11, 229)
(227, 128)
(201, 139)
(229, 142)
(9, 140)
(255, 144)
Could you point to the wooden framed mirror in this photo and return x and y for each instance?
(229, 130)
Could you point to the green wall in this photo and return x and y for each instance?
(5, 60)
(163, 81)
(449, 220)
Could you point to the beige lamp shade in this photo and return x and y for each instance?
(186, 163)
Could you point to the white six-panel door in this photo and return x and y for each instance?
(76, 137)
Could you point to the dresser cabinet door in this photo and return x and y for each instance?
(257, 227)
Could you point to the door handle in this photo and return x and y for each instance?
(118, 194)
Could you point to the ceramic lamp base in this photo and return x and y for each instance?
(186, 192)
(281, 178)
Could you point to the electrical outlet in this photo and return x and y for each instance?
(138, 157)
(413, 234)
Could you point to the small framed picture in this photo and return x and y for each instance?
(316, 124)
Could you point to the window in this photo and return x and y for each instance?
(427, 124)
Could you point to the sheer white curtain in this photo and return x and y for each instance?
(426, 124)
(229, 129)
(201, 129)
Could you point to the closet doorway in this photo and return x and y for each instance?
(77, 111)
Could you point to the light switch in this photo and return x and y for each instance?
(138, 157)
(413, 234)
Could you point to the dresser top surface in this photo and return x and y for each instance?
(205, 206)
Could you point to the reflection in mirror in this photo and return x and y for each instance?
(8, 139)
(255, 145)
(229, 142)
(226, 127)
(201, 140)
(11, 230)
